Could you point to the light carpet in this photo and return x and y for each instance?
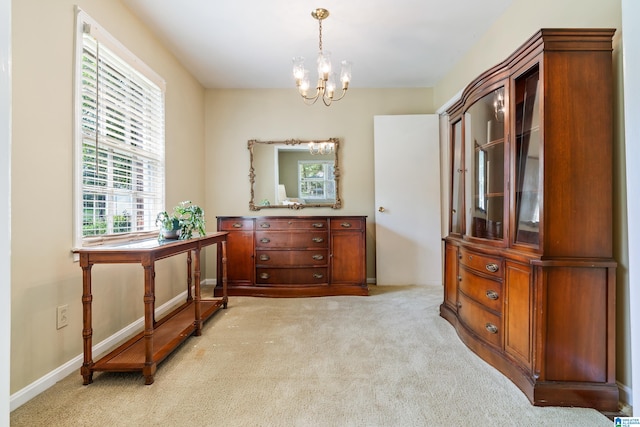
(383, 360)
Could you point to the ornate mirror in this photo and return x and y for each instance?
(294, 174)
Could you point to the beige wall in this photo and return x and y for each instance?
(43, 274)
(519, 22)
(235, 116)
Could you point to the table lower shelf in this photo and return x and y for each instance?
(168, 334)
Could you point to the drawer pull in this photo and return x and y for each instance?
(493, 295)
(318, 257)
(491, 328)
(492, 267)
(264, 257)
(459, 278)
(265, 240)
(318, 225)
(345, 224)
(264, 275)
(265, 225)
(318, 239)
(318, 275)
(237, 225)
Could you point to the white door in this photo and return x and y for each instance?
(407, 197)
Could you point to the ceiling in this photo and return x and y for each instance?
(250, 43)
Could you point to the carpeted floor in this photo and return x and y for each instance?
(383, 360)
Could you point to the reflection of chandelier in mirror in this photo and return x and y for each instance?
(321, 147)
(498, 104)
(326, 79)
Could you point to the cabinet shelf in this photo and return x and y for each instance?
(490, 144)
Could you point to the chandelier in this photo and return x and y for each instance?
(326, 87)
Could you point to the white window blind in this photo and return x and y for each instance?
(121, 144)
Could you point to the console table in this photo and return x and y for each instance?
(145, 350)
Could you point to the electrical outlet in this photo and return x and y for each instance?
(62, 319)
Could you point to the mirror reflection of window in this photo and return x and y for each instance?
(316, 181)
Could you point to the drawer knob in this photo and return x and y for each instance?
(459, 304)
(492, 267)
(318, 257)
(459, 278)
(493, 295)
(237, 225)
(265, 240)
(265, 225)
(491, 328)
(318, 239)
(264, 275)
(264, 257)
(318, 225)
(318, 275)
(345, 224)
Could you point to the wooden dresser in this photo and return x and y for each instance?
(295, 256)
(529, 269)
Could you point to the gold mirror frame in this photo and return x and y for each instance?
(337, 204)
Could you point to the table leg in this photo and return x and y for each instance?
(225, 298)
(149, 368)
(189, 281)
(87, 331)
(198, 297)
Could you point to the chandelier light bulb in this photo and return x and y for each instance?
(298, 68)
(324, 65)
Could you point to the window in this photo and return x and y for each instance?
(119, 147)
(316, 180)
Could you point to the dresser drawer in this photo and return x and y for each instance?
(485, 291)
(481, 321)
(292, 258)
(275, 239)
(291, 224)
(347, 224)
(291, 276)
(479, 262)
(235, 224)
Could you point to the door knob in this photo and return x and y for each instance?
(381, 209)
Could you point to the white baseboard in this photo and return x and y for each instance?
(21, 397)
(625, 398)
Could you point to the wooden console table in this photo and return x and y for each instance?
(145, 350)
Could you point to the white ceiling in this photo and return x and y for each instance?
(250, 43)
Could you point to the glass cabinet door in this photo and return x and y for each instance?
(527, 158)
(456, 179)
(484, 162)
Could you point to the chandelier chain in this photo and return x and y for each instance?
(320, 33)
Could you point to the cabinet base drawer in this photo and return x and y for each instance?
(482, 322)
(485, 291)
(480, 262)
(281, 239)
(292, 258)
(297, 276)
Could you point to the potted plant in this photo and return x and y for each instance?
(185, 219)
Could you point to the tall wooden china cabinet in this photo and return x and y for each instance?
(529, 273)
